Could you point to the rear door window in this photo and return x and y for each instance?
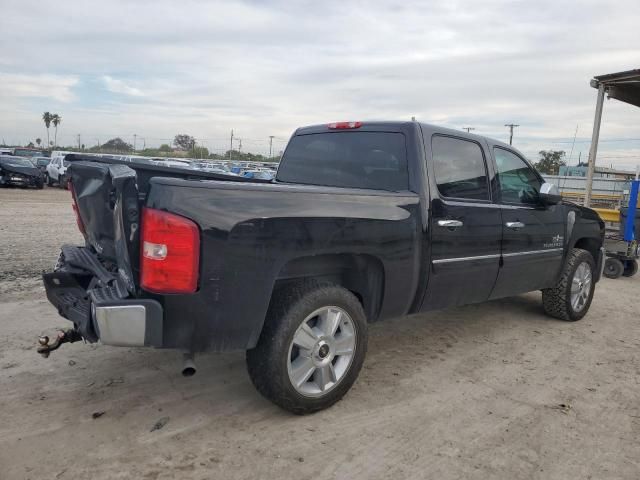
(374, 160)
(460, 168)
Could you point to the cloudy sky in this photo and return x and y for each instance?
(157, 68)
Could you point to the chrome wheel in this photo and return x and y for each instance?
(581, 287)
(321, 351)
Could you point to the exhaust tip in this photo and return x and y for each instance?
(189, 366)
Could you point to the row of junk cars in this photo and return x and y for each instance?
(26, 167)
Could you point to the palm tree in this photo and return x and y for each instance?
(56, 120)
(46, 117)
(38, 141)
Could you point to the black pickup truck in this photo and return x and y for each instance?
(364, 221)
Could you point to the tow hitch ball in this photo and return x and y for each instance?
(64, 336)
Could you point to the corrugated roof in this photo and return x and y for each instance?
(623, 86)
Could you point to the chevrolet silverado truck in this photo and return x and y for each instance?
(364, 221)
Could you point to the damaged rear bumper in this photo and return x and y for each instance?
(100, 307)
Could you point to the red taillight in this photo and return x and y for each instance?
(75, 208)
(170, 253)
(344, 125)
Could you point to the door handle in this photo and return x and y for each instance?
(514, 225)
(452, 224)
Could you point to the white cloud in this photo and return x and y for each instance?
(264, 68)
(56, 87)
(118, 86)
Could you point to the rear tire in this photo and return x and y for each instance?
(630, 268)
(613, 268)
(571, 297)
(298, 364)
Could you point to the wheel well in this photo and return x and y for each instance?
(363, 275)
(591, 245)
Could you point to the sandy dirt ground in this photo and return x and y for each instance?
(496, 390)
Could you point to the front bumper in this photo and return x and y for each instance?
(95, 300)
(20, 180)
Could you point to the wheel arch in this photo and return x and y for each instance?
(363, 275)
(590, 244)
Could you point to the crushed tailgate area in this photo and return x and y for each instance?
(496, 389)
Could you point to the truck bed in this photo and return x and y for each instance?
(145, 171)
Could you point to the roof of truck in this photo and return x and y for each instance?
(397, 126)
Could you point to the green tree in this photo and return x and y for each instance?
(117, 145)
(199, 152)
(38, 141)
(46, 118)
(184, 141)
(550, 161)
(56, 120)
(165, 147)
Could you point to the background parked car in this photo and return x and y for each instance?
(57, 168)
(19, 172)
(41, 164)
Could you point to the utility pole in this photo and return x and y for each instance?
(231, 146)
(595, 137)
(134, 142)
(239, 145)
(468, 129)
(78, 141)
(270, 144)
(511, 127)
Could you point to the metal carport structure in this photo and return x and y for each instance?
(623, 86)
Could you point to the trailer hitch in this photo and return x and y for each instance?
(64, 336)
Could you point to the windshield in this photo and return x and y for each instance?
(25, 152)
(16, 162)
(375, 160)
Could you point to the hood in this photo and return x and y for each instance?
(29, 171)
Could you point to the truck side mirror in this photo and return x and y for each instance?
(549, 194)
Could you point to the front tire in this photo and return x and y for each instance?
(312, 347)
(571, 297)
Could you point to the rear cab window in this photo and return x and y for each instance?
(351, 159)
